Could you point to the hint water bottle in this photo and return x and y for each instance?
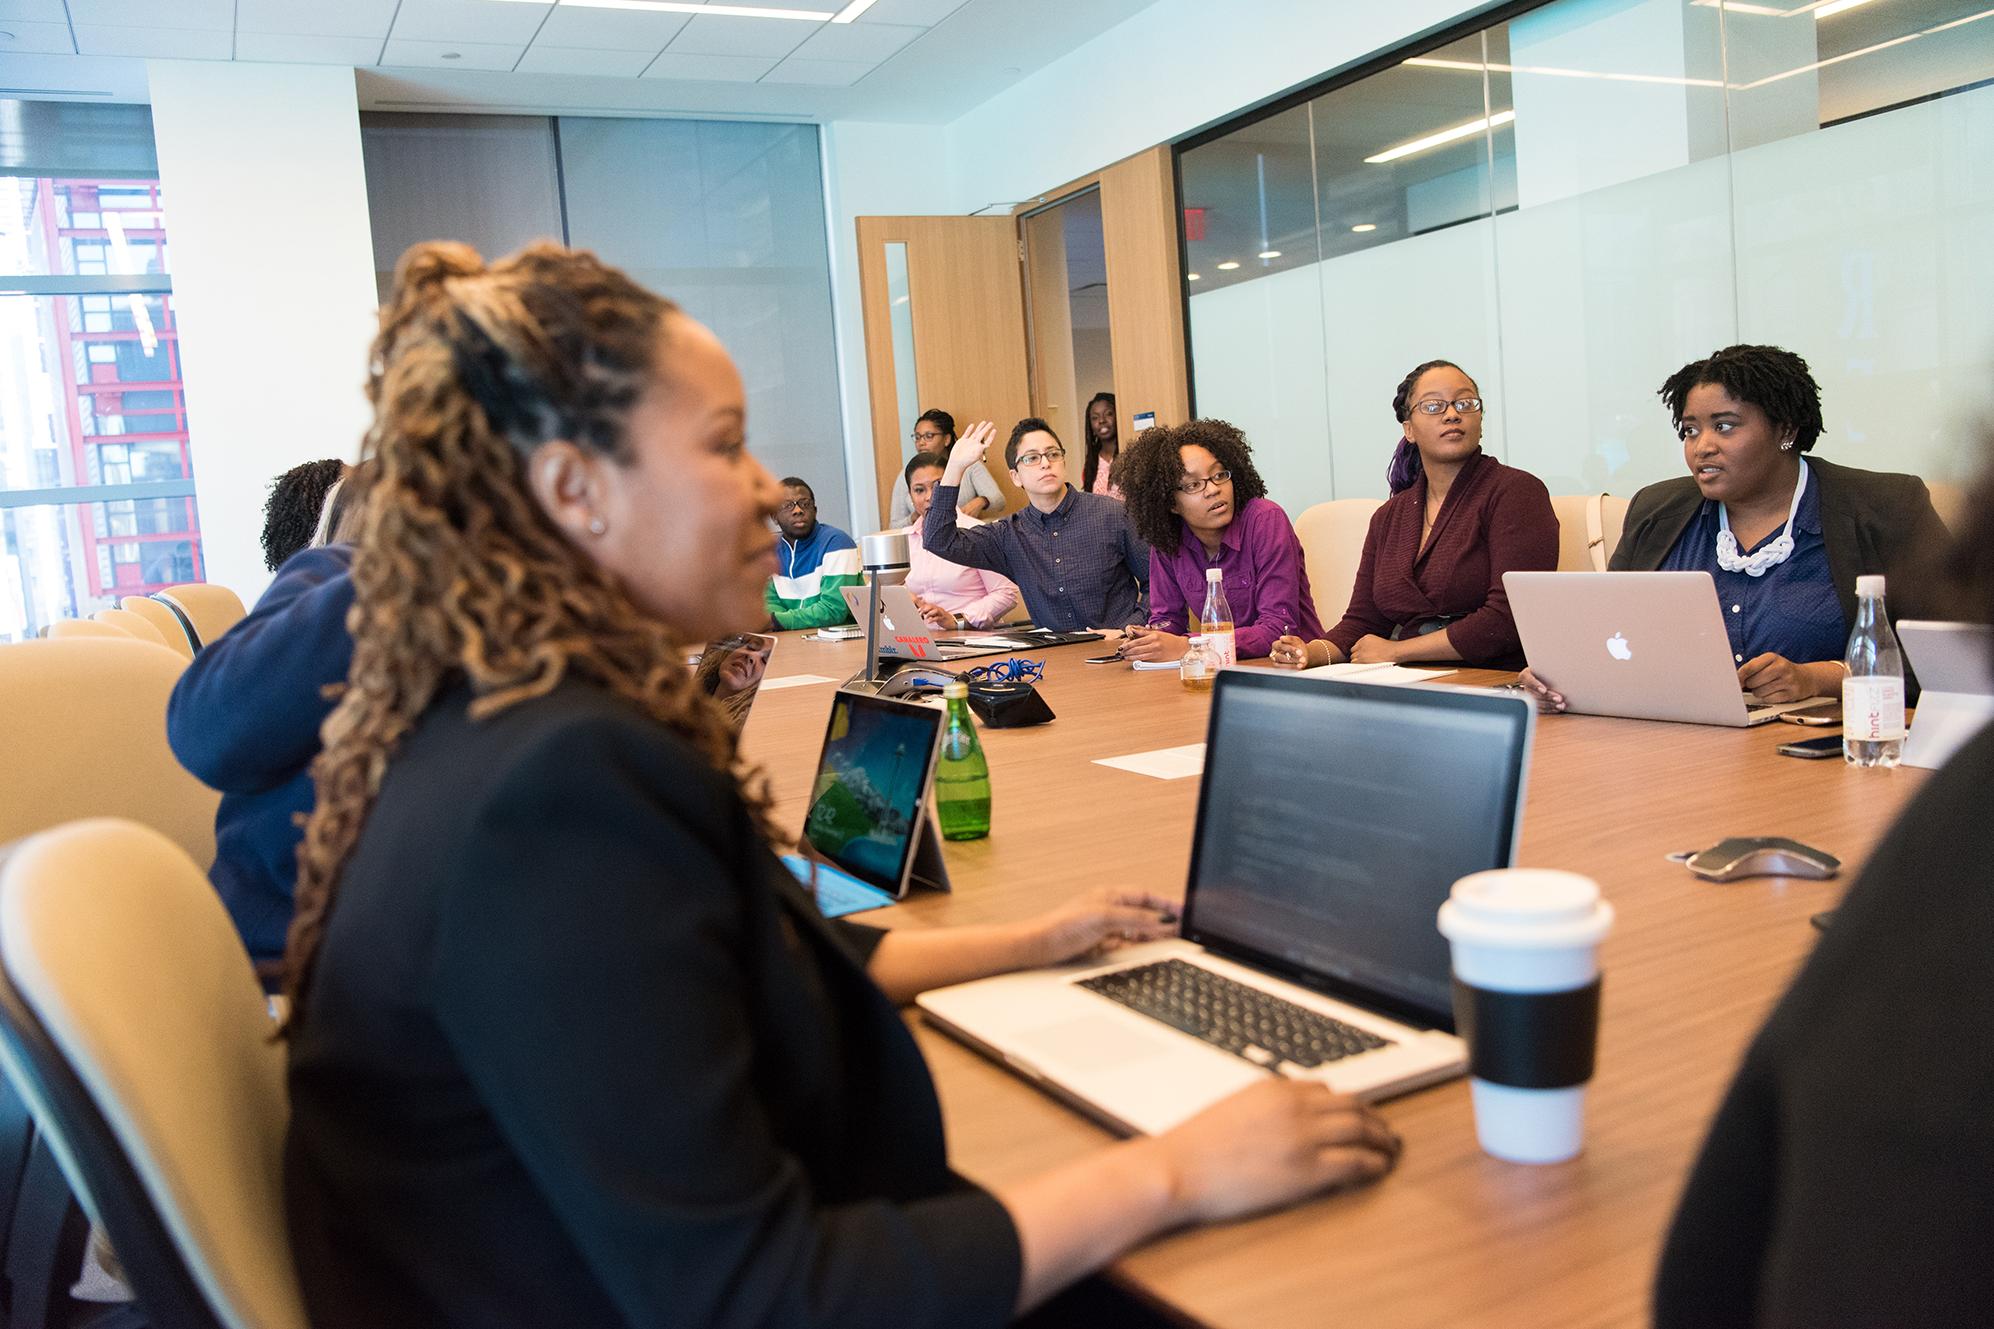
(1873, 693)
(1215, 620)
(962, 776)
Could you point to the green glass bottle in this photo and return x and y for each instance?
(962, 776)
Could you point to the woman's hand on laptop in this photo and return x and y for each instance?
(1549, 702)
(1270, 1145)
(1774, 678)
(1101, 920)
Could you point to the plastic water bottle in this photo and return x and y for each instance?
(1873, 692)
(1215, 621)
(962, 776)
(1195, 670)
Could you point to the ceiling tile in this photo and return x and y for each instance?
(544, 59)
(34, 11)
(476, 21)
(867, 44)
(161, 43)
(316, 18)
(775, 37)
(823, 73)
(469, 55)
(710, 68)
(919, 13)
(210, 14)
(611, 29)
(37, 38)
(290, 48)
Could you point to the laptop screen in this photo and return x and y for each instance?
(867, 799)
(1334, 819)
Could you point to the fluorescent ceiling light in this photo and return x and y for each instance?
(1361, 227)
(1425, 62)
(1766, 11)
(1836, 7)
(1833, 60)
(852, 11)
(1268, 253)
(1228, 266)
(1435, 140)
(718, 11)
(1190, 276)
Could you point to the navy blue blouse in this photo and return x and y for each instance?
(1792, 610)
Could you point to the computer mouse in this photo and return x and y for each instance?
(1762, 856)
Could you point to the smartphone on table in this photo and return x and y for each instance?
(1813, 748)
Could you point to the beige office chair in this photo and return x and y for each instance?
(125, 621)
(1588, 530)
(1950, 501)
(133, 1025)
(1332, 536)
(85, 627)
(86, 737)
(167, 623)
(212, 609)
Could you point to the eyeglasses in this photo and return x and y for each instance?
(929, 436)
(1013, 670)
(1032, 460)
(1195, 486)
(1465, 405)
(797, 505)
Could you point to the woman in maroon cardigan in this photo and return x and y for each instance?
(1429, 586)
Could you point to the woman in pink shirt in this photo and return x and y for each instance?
(948, 595)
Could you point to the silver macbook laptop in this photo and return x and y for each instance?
(1644, 645)
(1332, 820)
(1954, 663)
(905, 635)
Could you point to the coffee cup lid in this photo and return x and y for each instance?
(1534, 908)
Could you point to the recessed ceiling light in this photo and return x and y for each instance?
(1434, 140)
(1836, 7)
(1191, 276)
(679, 7)
(1268, 253)
(852, 11)
(1227, 266)
(1361, 227)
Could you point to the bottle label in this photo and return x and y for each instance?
(1872, 709)
(1224, 649)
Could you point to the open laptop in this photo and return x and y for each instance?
(905, 635)
(731, 670)
(1644, 645)
(1954, 664)
(1333, 819)
(869, 805)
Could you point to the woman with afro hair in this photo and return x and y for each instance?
(1197, 501)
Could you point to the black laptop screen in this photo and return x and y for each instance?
(1335, 817)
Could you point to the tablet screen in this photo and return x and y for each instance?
(868, 797)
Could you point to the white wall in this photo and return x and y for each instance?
(273, 277)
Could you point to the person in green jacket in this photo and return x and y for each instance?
(817, 563)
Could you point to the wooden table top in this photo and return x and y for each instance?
(1453, 1237)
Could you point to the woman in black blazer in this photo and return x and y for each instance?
(568, 1045)
(1783, 534)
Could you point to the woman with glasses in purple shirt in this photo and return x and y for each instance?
(1429, 584)
(1198, 502)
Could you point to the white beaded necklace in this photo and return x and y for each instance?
(1770, 555)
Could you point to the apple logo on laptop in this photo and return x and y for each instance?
(1617, 647)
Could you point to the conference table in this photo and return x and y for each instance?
(1453, 1237)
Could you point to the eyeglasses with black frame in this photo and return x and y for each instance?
(1034, 460)
(1465, 405)
(1195, 486)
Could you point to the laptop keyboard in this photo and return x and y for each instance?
(1233, 1017)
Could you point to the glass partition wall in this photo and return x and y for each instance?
(1574, 202)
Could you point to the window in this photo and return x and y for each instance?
(96, 475)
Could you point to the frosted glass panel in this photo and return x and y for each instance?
(487, 180)
(728, 220)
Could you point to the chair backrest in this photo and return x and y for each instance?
(1586, 541)
(85, 627)
(1332, 536)
(125, 621)
(132, 1023)
(212, 609)
(86, 737)
(1950, 500)
(171, 630)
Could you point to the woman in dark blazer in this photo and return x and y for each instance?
(568, 1044)
(1429, 583)
(1784, 535)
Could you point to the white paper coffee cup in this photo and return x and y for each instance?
(1525, 945)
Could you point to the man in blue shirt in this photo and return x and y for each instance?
(1075, 556)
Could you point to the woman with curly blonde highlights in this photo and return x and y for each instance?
(568, 1044)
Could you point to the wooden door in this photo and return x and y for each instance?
(966, 295)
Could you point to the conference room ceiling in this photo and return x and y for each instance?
(913, 61)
